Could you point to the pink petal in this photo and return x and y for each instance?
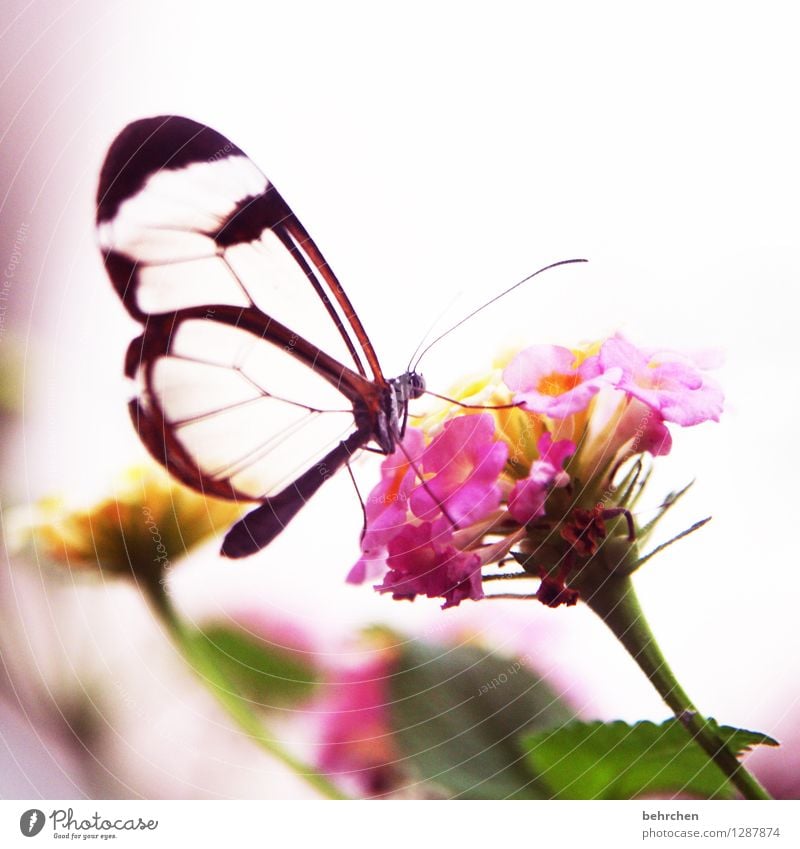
(422, 561)
(544, 378)
(466, 461)
(667, 381)
(387, 508)
(527, 499)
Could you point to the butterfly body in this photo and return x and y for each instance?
(394, 408)
(254, 377)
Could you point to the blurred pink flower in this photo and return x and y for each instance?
(356, 745)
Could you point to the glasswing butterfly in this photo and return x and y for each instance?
(255, 379)
(206, 254)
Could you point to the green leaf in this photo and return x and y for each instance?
(614, 760)
(457, 714)
(261, 673)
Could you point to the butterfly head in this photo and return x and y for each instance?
(416, 385)
(405, 388)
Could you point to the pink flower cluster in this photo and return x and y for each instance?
(442, 494)
(411, 525)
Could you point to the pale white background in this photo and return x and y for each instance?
(439, 151)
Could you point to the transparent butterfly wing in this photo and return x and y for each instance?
(186, 219)
(229, 410)
(252, 366)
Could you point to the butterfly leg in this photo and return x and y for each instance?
(405, 422)
(360, 500)
(259, 527)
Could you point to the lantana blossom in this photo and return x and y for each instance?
(423, 561)
(465, 461)
(664, 380)
(553, 381)
(387, 506)
(531, 475)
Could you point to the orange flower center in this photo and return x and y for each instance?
(393, 492)
(557, 383)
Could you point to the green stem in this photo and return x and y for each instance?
(615, 602)
(234, 705)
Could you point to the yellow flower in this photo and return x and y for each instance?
(146, 522)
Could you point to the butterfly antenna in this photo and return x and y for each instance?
(489, 303)
(428, 331)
